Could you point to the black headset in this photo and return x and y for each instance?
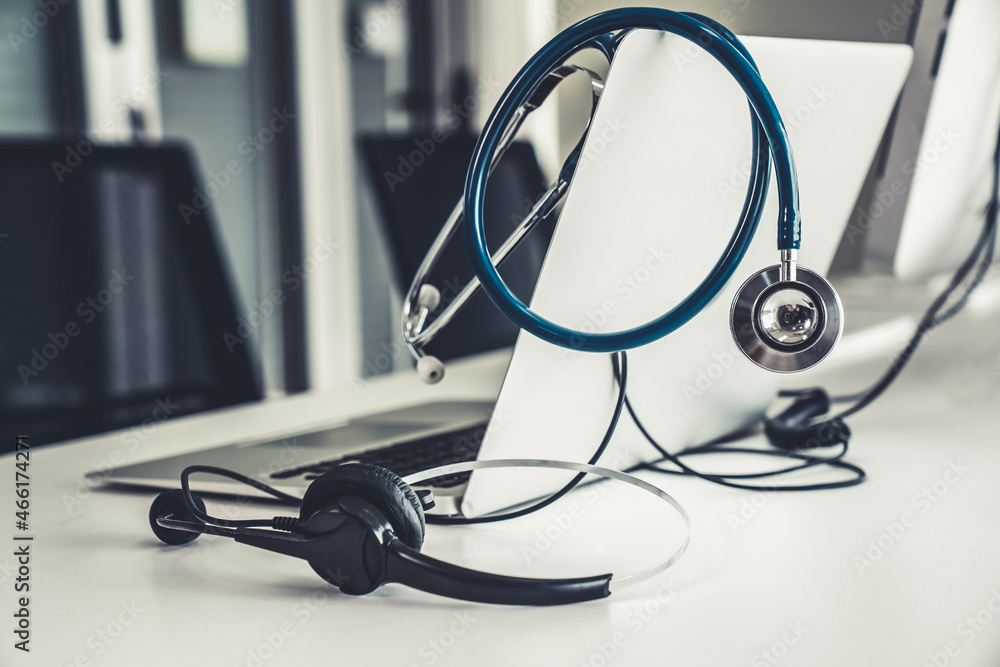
(360, 526)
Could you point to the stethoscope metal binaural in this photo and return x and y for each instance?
(785, 318)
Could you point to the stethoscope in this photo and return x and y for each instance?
(785, 318)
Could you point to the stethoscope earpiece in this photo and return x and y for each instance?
(430, 369)
(786, 324)
(429, 297)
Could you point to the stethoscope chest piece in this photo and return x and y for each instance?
(786, 326)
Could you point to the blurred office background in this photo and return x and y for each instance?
(290, 109)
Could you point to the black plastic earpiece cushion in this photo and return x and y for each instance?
(375, 484)
(172, 503)
(791, 429)
(825, 434)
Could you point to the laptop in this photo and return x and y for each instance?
(653, 202)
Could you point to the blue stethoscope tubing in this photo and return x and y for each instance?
(725, 47)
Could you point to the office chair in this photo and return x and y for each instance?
(416, 182)
(116, 301)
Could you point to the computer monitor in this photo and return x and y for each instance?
(118, 303)
(417, 179)
(928, 206)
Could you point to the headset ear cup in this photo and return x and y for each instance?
(379, 486)
(791, 429)
(824, 434)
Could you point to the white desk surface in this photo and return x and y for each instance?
(787, 581)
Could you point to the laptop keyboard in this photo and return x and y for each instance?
(406, 458)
